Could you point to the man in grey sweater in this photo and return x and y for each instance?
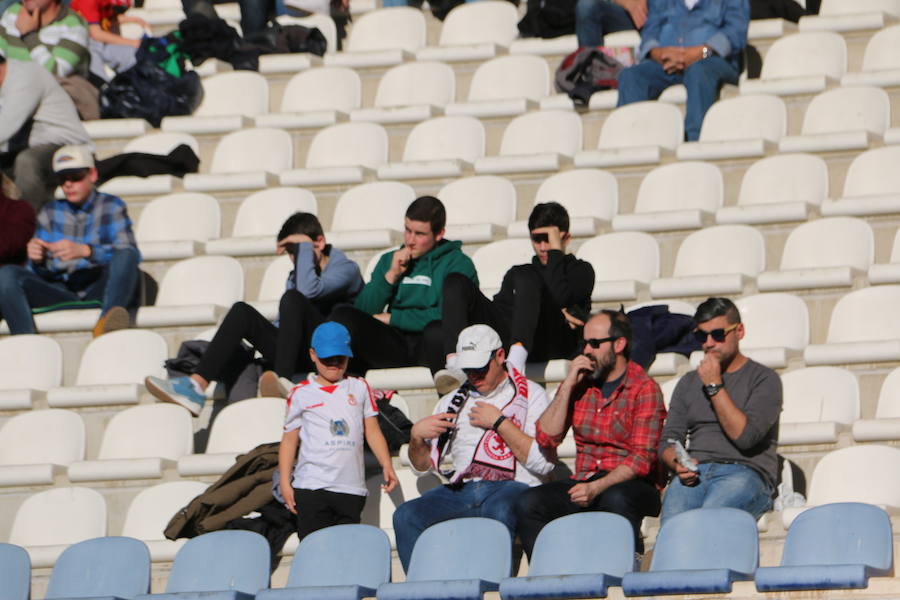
(726, 413)
(36, 118)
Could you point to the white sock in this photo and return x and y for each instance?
(451, 362)
(518, 355)
(196, 385)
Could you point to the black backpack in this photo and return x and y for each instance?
(587, 70)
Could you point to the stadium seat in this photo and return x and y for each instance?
(46, 522)
(812, 259)
(779, 189)
(819, 402)
(195, 291)
(668, 388)
(15, 572)
(505, 86)
(740, 255)
(370, 45)
(871, 187)
(836, 15)
(776, 328)
(567, 562)
(699, 551)
(410, 93)
(800, 63)
(542, 140)
(342, 153)
(478, 208)
(681, 195)
(110, 567)
(316, 98)
(357, 225)
(22, 378)
(174, 226)
(881, 61)
(626, 277)
(343, 562)
(246, 159)
(222, 565)
(273, 286)
(836, 546)
(259, 219)
(438, 147)
(862, 329)
(591, 198)
(474, 31)
(229, 102)
(135, 354)
(37, 446)
(493, 260)
(142, 442)
(745, 126)
(150, 143)
(462, 557)
(886, 424)
(847, 118)
(639, 133)
(239, 428)
(150, 511)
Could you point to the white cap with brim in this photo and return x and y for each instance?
(475, 346)
(72, 158)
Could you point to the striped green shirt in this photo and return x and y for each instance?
(61, 46)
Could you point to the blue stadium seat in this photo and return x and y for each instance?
(567, 561)
(222, 565)
(475, 551)
(104, 567)
(833, 546)
(344, 562)
(699, 551)
(15, 573)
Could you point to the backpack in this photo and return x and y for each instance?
(591, 69)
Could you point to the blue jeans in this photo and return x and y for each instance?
(703, 79)
(490, 499)
(721, 485)
(596, 18)
(22, 289)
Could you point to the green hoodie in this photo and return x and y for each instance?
(416, 299)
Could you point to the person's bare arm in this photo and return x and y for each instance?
(427, 429)
(379, 447)
(108, 37)
(287, 452)
(731, 418)
(686, 476)
(636, 9)
(554, 421)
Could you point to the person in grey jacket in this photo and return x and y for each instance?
(323, 278)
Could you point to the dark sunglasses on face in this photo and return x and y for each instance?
(718, 335)
(538, 238)
(595, 342)
(71, 176)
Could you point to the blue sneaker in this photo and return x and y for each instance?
(179, 390)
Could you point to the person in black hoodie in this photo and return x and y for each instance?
(541, 305)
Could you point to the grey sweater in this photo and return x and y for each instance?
(756, 390)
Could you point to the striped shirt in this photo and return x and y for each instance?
(101, 222)
(61, 46)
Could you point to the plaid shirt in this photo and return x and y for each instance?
(623, 429)
(102, 222)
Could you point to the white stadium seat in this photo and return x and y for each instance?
(871, 187)
(438, 147)
(744, 126)
(800, 63)
(150, 143)
(316, 98)
(273, 286)
(246, 159)
(478, 208)
(410, 93)
(356, 226)
(37, 446)
(229, 101)
(23, 377)
(881, 60)
(886, 424)
(636, 264)
(505, 86)
(847, 118)
(819, 403)
(474, 31)
(493, 260)
(324, 23)
(776, 327)
(150, 511)
(889, 272)
(839, 15)
(382, 38)
(542, 140)
(639, 133)
(175, 226)
(342, 153)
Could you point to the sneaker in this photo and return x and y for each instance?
(179, 390)
(115, 318)
(273, 386)
(447, 380)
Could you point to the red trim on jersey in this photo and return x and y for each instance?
(315, 405)
(328, 389)
(371, 396)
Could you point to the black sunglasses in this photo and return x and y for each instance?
(717, 334)
(595, 342)
(71, 176)
(538, 238)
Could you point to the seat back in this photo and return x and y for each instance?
(399, 27)
(729, 540)
(493, 260)
(274, 278)
(55, 436)
(865, 473)
(20, 370)
(263, 212)
(150, 511)
(568, 546)
(348, 144)
(812, 244)
(219, 561)
(542, 131)
(106, 566)
(444, 138)
(785, 178)
(202, 280)
(15, 572)
(745, 117)
(511, 76)
(415, 83)
(59, 516)
(247, 424)
(820, 394)
(479, 199)
(774, 320)
(469, 548)
(865, 315)
(883, 50)
(808, 53)
(353, 211)
(161, 143)
(584, 193)
(637, 256)
(681, 186)
(125, 356)
(323, 88)
(667, 389)
(851, 108)
(837, 7)
(234, 93)
(489, 21)
(739, 249)
(889, 397)
(150, 431)
(255, 149)
(342, 555)
(643, 124)
(181, 216)
(872, 173)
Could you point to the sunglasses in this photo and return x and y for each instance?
(539, 238)
(718, 335)
(595, 342)
(71, 176)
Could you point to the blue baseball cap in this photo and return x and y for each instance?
(331, 339)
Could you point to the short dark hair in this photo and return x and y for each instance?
(549, 214)
(717, 307)
(301, 222)
(428, 209)
(619, 326)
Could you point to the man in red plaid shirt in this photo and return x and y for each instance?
(617, 413)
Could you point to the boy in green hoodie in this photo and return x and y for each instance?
(395, 321)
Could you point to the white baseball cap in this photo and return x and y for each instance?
(475, 345)
(72, 158)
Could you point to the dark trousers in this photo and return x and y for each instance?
(318, 509)
(634, 500)
(285, 347)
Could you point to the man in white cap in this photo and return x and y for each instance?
(486, 429)
(82, 254)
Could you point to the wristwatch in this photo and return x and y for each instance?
(711, 389)
(705, 52)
